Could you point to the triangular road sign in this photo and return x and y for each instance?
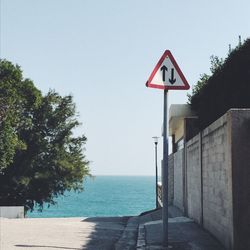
(167, 74)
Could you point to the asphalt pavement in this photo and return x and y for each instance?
(142, 232)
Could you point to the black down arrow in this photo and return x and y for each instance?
(172, 80)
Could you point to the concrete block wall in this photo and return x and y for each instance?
(194, 182)
(217, 180)
(240, 162)
(12, 212)
(214, 182)
(170, 179)
(178, 179)
(170, 182)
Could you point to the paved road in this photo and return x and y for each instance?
(61, 234)
(107, 233)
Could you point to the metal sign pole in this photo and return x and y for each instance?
(165, 171)
(166, 75)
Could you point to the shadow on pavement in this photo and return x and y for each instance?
(104, 233)
(50, 247)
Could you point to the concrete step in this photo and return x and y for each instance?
(128, 239)
(151, 216)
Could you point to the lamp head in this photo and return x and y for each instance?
(155, 139)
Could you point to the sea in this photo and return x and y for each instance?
(104, 196)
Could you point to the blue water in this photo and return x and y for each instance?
(105, 196)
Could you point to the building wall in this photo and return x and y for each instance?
(178, 179)
(179, 131)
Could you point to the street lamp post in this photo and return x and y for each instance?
(156, 171)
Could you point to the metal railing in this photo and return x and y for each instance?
(159, 198)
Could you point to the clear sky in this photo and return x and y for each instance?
(102, 52)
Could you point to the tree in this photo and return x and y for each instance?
(228, 87)
(17, 96)
(216, 64)
(45, 159)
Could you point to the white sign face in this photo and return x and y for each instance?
(167, 74)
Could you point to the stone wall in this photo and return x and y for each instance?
(170, 179)
(178, 179)
(215, 179)
(170, 182)
(194, 205)
(240, 161)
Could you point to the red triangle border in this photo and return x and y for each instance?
(149, 83)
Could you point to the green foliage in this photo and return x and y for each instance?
(228, 87)
(17, 96)
(39, 156)
(216, 64)
(197, 88)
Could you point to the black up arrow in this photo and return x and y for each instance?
(172, 80)
(163, 69)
